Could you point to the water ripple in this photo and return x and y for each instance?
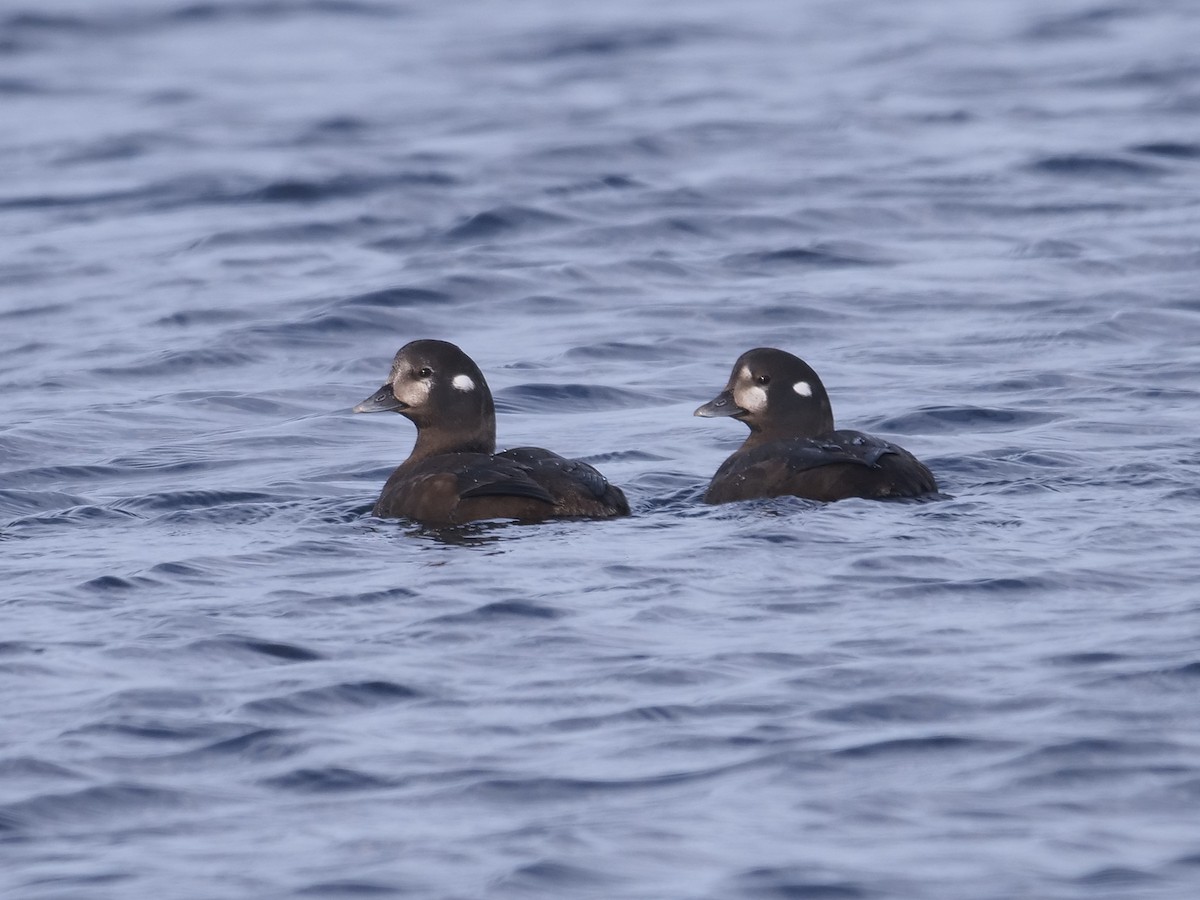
(224, 677)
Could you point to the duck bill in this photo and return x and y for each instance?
(720, 405)
(383, 400)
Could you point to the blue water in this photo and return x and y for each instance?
(223, 679)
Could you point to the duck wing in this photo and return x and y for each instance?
(563, 475)
(830, 467)
(499, 476)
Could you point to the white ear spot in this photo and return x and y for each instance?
(803, 388)
(463, 383)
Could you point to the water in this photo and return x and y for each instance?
(223, 679)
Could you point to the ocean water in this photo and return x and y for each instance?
(223, 678)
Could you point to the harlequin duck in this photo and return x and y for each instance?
(454, 473)
(793, 448)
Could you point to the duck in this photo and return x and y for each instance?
(793, 448)
(454, 474)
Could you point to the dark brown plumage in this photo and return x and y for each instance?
(453, 474)
(793, 448)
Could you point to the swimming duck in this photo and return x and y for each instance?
(793, 448)
(454, 473)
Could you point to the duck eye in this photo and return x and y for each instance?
(425, 372)
(763, 379)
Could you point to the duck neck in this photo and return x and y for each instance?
(814, 423)
(477, 438)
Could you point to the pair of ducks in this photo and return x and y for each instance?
(455, 475)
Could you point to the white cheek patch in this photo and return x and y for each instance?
(414, 393)
(752, 399)
(803, 388)
(463, 383)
